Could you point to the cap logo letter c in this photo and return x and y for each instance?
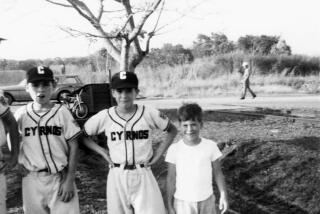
(123, 75)
(40, 70)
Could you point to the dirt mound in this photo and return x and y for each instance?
(275, 176)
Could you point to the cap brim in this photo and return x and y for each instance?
(40, 79)
(124, 86)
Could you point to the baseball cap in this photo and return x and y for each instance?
(124, 79)
(39, 73)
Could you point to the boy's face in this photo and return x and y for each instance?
(40, 91)
(125, 96)
(191, 130)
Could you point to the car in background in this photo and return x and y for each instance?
(66, 84)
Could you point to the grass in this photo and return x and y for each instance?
(198, 79)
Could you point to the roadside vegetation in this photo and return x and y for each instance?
(209, 68)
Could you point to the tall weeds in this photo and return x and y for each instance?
(202, 78)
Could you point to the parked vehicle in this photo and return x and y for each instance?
(65, 85)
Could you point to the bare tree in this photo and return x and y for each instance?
(122, 41)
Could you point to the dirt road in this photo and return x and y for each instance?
(277, 102)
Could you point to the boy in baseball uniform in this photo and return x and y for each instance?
(7, 124)
(48, 151)
(191, 162)
(131, 186)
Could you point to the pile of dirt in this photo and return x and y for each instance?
(271, 165)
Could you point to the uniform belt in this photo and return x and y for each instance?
(43, 170)
(128, 167)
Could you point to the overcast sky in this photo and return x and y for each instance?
(32, 27)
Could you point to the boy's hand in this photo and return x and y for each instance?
(22, 170)
(154, 159)
(223, 204)
(149, 163)
(12, 162)
(8, 162)
(66, 190)
(3, 167)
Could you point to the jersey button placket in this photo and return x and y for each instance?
(125, 141)
(45, 146)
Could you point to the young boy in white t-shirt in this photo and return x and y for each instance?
(191, 162)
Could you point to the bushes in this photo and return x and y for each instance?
(268, 64)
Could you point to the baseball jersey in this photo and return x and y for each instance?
(45, 137)
(128, 140)
(193, 168)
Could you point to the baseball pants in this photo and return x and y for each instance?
(201, 207)
(133, 192)
(3, 192)
(40, 195)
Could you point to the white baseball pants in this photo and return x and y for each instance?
(40, 195)
(133, 191)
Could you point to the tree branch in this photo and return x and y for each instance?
(129, 12)
(59, 4)
(100, 11)
(85, 12)
(137, 58)
(81, 8)
(76, 33)
(143, 19)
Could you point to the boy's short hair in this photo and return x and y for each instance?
(124, 79)
(190, 111)
(39, 73)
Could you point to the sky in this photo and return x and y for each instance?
(33, 28)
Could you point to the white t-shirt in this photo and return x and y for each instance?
(193, 168)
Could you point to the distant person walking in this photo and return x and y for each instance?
(246, 73)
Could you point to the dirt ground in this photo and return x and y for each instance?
(271, 165)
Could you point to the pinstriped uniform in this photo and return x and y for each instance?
(129, 143)
(44, 145)
(4, 109)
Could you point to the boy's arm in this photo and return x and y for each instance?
(66, 191)
(171, 133)
(171, 187)
(88, 142)
(219, 178)
(12, 126)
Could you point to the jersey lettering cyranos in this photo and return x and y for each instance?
(130, 135)
(42, 130)
(45, 137)
(128, 140)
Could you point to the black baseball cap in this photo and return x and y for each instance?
(39, 73)
(124, 79)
